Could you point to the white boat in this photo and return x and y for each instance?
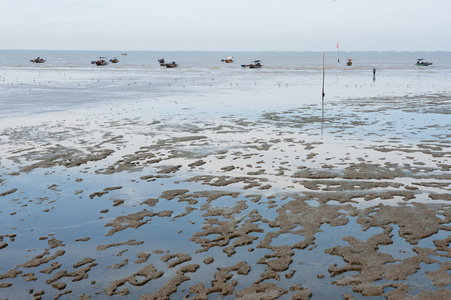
(228, 59)
(420, 62)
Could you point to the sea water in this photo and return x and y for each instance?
(244, 120)
(68, 80)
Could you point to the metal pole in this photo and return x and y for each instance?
(323, 79)
(323, 94)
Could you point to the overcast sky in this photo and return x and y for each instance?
(234, 25)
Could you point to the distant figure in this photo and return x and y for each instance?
(374, 73)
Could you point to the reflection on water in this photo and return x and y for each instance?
(213, 181)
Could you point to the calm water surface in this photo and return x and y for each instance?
(68, 81)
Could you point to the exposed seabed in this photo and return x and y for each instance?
(240, 189)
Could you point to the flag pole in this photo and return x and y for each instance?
(338, 52)
(323, 81)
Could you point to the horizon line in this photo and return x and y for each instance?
(320, 51)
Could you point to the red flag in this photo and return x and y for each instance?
(337, 44)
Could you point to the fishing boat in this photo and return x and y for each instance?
(101, 61)
(171, 65)
(161, 61)
(349, 63)
(254, 65)
(114, 60)
(38, 60)
(228, 59)
(420, 62)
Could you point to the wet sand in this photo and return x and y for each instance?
(286, 204)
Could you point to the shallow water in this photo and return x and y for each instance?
(287, 78)
(210, 160)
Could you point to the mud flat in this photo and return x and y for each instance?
(284, 204)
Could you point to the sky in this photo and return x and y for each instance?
(233, 25)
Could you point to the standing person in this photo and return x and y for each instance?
(374, 73)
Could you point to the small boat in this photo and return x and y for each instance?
(420, 62)
(38, 60)
(349, 63)
(114, 60)
(161, 61)
(101, 61)
(254, 65)
(171, 65)
(228, 59)
(123, 53)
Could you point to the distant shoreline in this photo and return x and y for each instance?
(237, 51)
